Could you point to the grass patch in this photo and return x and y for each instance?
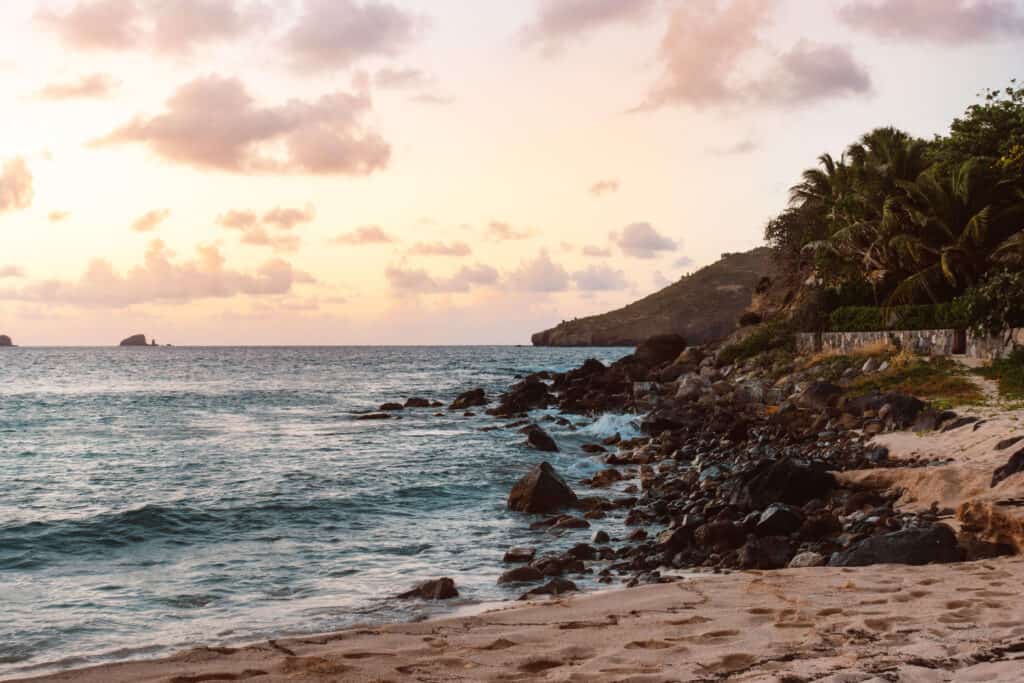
(772, 336)
(942, 381)
(1009, 372)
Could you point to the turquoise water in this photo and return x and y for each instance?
(152, 499)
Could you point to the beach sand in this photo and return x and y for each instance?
(958, 622)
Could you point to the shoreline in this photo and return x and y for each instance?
(741, 621)
(792, 624)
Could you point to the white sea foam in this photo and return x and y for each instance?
(609, 424)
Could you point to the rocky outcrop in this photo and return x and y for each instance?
(701, 307)
(437, 589)
(541, 491)
(469, 399)
(135, 340)
(5, 340)
(910, 546)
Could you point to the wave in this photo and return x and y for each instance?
(610, 424)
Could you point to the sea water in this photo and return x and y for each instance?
(153, 499)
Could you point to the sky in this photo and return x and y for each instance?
(220, 172)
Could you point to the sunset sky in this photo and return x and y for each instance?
(429, 171)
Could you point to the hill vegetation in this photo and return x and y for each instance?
(702, 307)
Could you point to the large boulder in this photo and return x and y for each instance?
(784, 481)
(541, 491)
(5, 340)
(660, 349)
(135, 340)
(437, 589)
(820, 396)
(555, 586)
(1014, 465)
(527, 395)
(910, 546)
(540, 440)
(469, 399)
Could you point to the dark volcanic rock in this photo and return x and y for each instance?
(772, 552)
(521, 575)
(555, 586)
(469, 399)
(660, 349)
(520, 555)
(820, 396)
(5, 340)
(540, 440)
(438, 589)
(719, 536)
(910, 546)
(778, 520)
(135, 340)
(527, 395)
(374, 416)
(541, 491)
(785, 481)
(1014, 465)
(417, 403)
(391, 407)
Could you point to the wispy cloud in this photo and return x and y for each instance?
(944, 21)
(440, 249)
(368, 234)
(604, 187)
(562, 21)
(16, 190)
(500, 231)
(92, 86)
(151, 220)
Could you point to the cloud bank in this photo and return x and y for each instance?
(419, 281)
(641, 240)
(92, 86)
(213, 123)
(160, 278)
(707, 45)
(151, 220)
(562, 21)
(950, 22)
(368, 234)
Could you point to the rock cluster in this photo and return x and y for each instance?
(735, 467)
(5, 340)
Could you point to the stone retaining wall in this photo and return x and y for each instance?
(923, 342)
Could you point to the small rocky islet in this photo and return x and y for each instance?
(735, 469)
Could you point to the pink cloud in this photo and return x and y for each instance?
(641, 240)
(419, 281)
(169, 27)
(11, 272)
(561, 21)
(440, 249)
(57, 216)
(151, 220)
(948, 21)
(238, 220)
(707, 46)
(334, 34)
(16, 191)
(161, 278)
(87, 87)
(213, 123)
(398, 79)
(500, 231)
(368, 234)
(540, 274)
(603, 187)
(286, 219)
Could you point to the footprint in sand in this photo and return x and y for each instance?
(534, 666)
(203, 678)
(648, 645)
(829, 612)
(366, 655)
(731, 663)
(499, 644)
(691, 621)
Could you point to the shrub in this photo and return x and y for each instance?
(1009, 372)
(750, 318)
(770, 337)
(945, 316)
(997, 304)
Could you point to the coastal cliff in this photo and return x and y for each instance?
(701, 307)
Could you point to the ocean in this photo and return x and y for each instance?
(153, 499)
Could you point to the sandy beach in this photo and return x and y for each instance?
(959, 622)
(955, 622)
